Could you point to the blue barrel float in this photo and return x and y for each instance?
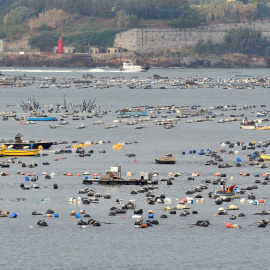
(239, 159)
(14, 215)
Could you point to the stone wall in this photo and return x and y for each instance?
(20, 46)
(154, 39)
(3, 45)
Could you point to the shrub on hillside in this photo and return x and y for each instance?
(53, 18)
(17, 15)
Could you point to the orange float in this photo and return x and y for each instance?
(229, 225)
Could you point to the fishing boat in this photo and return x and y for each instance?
(20, 144)
(265, 157)
(247, 126)
(13, 152)
(132, 112)
(226, 194)
(132, 68)
(168, 159)
(42, 118)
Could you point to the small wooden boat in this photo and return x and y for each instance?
(223, 195)
(247, 126)
(12, 152)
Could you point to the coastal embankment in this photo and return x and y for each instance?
(174, 60)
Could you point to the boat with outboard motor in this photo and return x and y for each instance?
(226, 194)
(133, 112)
(133, 68)
(20, 144)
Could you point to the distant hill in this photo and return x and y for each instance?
(95, 22)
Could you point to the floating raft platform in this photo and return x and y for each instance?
(120, 182)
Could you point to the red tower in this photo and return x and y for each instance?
(60, 45)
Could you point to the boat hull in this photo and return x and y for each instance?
(247, 127)
(263, 128)
(231, 195)
(140, 113)
(53, 118)
(4, 152)
(265, 157)
(165, 162)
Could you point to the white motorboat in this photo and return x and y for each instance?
(132, 68)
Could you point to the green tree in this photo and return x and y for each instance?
(44, 41)
(188, 16)
(246, 40)
(17, 15)
(262, 10)
(125, 21)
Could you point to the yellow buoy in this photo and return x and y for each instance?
(4, 146)
(74, 146)
(40, 147)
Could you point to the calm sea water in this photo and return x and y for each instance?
(174, 243)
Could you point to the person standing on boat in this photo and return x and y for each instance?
(230, 189)
(223, 188)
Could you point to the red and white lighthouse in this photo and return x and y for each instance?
(60, 45)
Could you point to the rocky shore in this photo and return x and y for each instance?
(85, 60)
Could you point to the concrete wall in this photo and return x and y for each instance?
(149, 40)
(3, 45)
(20, 46)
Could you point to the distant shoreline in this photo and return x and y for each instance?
(79, 60)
